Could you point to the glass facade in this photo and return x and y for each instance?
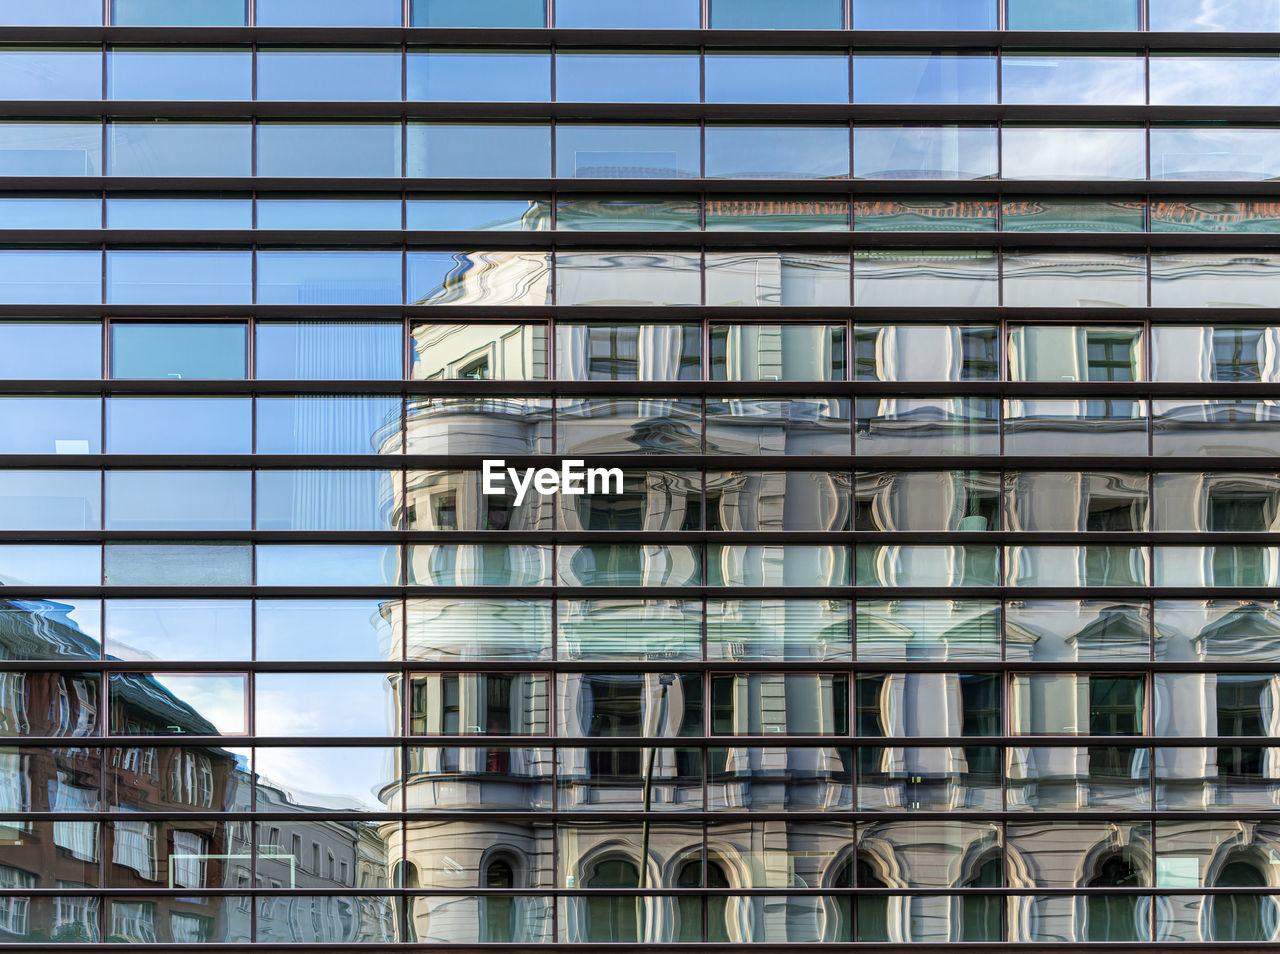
(932, 593)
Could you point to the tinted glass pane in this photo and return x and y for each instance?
(53, 565)
(1214, 153)
(924, 14)
(178, 564)
(475, 150)
(179, 276)
(50, 13)
(178, 629)
(1191, 15)
(479, 13)
(180, 74)
(326, 629)
(178, 500)
(169, 212)
(777, 152)
(1214, 80)
(50, 73)
(479, 75)
(776, 78)
(624, 77)
(1072, 78)
(631, 152)
(322, 277)
(1072, 215)
(790, 352)
(925, 353)
(1074, 279)
(51, 629)
(1073, 153)
(931, 215)
(932, 78)
(327, 13)
(443, 214)
(178, 425)
(33, 276)
(924, 152)
(55, 349)
(1070, 15)
(622, 14)
(51, 425)
(763, 214)
(328, 424)
(326, 499)
(447, 350)
(763, 278)
(333, 75)
(327, 565)
(177, 351)
(329, 149)
(328, 213)
(179, 149)
(1216, 215)
(179, 12)
(766, 15)
(329, 350)
(50, 149)
(628, 278)
(51, 212)
(50, 499)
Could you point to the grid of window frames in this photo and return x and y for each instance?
(939, 600)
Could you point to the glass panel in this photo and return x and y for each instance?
(50, 565)
(631, 213)
(928, 427)
(51, 212)
(178, 629)
(1197, 854)
(762, 426)
(329, 350)
(28, 72)
(925, 152)
(479, 13)
(50, 629)
(942, 277)
(327, 13)
(443, 351)
(179, 276)
(628, 426)
(487, 214)
(925, 215)
(927, 566)
(763, 15)
(50, 500)
(610, 705)
(477, 150)
(1056, 428)
(780, 779)
(1225, 565)
(51, 425)
(328, 149)
(1209, 15)
(752, 278)
(185, 13)
(325, 919)
(1214, 152)
(629, 779)
(1217, 502)
(620, 76)
(1078, 779)
(628, 152)
(1214, 215)
(50, 149)
(1075, 279)
(50, 276)
(629, 565)
(479, 278)
(1192, 80)
(941, 77)
(178, 500)
(778, 500)
(328, 424)
(919, 352)
(650, 500)
(187, 350)
(623, 15)
(487, 564)
(1233, 917)
(329, 277)
(452, 500)
(1073, 152)
(328, 75)
(446, 629)
(891, 705)
(179, 425)
(1058, 630)
(1073, 215)
(179, 149)
(1077, 704)
(776, 77)
(169, 703)
(51, 13)
(168, 212)
(1067, 15)
(929, 779)
(749, 214)
(1073, 78)
(785, 704)
(1226, 778)
(326, 499)
(778, 630)
(1058, 918)
(790, 352)
(627, 629)
(1190, 428)
(332, 778)
(1095, 565)
(777, 152)
(301, 704)
(328, 629)
(1213, 279)
(628, 278)
(614, 352)
(1079, 854)
(328, 213)
(71, 703)
(1074, 502)
(466, 703)
(919, 14)
(327, 565)
(909, 854)
(497, 425)
(945, 501)
(928, 629)
(179, 564)
(523, 776)
(469, 75)
(180, 73)
(1217, 630)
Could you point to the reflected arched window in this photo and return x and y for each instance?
(980, 914)
(499, 910)
(1241, 917)
(613, 918)
(873, 910)
(1115, 917)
